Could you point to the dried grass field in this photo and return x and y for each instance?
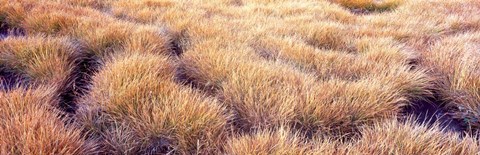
(240, 77)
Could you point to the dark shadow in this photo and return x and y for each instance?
(158, 146)
(178, 43)
(6, 30)
(432, 111)
(3, 30)
(78, 82)
(9, 80)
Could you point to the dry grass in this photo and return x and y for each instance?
(238, 76)
(389, 137)
(281, 141)
(41, 60)
(98, 33)
(38, 60)
(29, 125)
(143, 110)
(411, 138)
(370, 5)
(457, 70)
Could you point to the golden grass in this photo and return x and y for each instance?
(29, 125)
(42, 60)
(240, 76)
(145, 111)
(389, 137)
(395, 137)
(457, 70)
(98, 33)
(281, 141)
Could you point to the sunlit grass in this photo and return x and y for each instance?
(237, 76)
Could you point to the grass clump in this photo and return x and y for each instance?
(37, 60)
(260, 94)
(456, 67)
(370, 5)
(29, 125)
(100, 34)
(280, 141)
(265, 94)
(411, 138)
(136, 107)
(42, 60)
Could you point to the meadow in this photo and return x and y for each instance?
(239, 77)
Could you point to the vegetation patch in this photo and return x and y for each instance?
(432, 112)
(40, 61)
(145, 115)
(367, 6)
(30, 125)
(239, 77)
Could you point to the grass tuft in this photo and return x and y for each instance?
(143, 110)
(370, 5)
(29, 125)
(411, 138)
(280, 141)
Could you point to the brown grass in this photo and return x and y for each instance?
(370, 5)
(243, 76)
(281, 141)
(29, 125)
(145, 111)
(457, 69)
(395, 137)
(47, 61)
(38, 60)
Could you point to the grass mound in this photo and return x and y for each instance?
(29, 125)
(135, 106)
(370, 5)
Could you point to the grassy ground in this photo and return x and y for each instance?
(239, 76)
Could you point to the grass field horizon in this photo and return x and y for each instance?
(239, 77)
